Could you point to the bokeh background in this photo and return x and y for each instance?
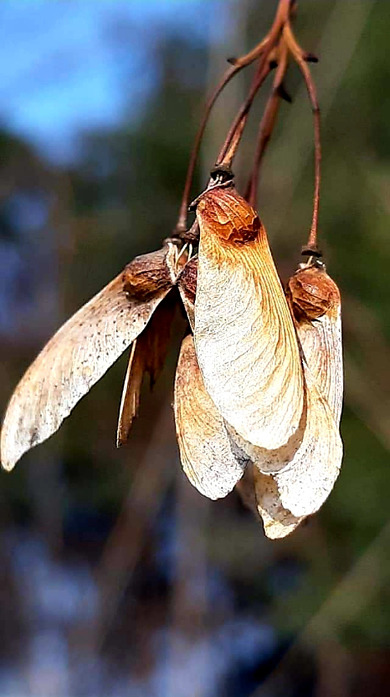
(116, 577)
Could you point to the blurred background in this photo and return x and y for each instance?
(118, 578)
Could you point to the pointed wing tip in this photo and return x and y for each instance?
(276, 531)
(121, 440)
(8, 465)
(8, 457)
(8, 460)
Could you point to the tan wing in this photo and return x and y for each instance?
(131, 393)
(187, 289)
(307, 481)
(304, 475)
(272, 461)
(80, 353)
(147, 355)
(277, 521)
(244, 334)
(315, 301)
(205, 449)
(260, 494)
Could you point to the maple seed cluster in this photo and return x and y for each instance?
(259, 380)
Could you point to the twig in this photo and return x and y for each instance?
(301, 59)
(267, 123)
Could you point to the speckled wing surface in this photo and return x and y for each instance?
(81, 351)
(244, 334)
(211, 462)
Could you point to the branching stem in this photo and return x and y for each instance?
(262, 51)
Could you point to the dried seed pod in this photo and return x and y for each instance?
(211, 462)
(315, 302)
(244, 335)
(150, 275)
(81, 351)
(147, 355)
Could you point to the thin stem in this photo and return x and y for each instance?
(232, 141)
(233, 138)
(267, 123)
(237, 65)
(262, 51)
(300, 58)
(181, 224)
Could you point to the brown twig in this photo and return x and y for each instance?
(181, 224)
(267, 123)
(301, 59)
(237, 65)
(233, 138)
(262, 51)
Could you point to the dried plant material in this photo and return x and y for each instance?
(307, 481)
(272, 461)
(151, 274)
(131, 392)
(259, 493)
(315, 302)
(187, 288)
(303, 484)
(80, 353)
(268, 461)
(301, 487)
(147, 355)
(212, 464)
(277, 521)
(244, 334)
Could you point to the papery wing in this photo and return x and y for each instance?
(277, 521)
(322, 347)
(205, 449)
(272, 461)
(80, 353)
(307, 481)
(244, 335)
(131, 393)
(187, 289)
(147, 355)
(315, 301)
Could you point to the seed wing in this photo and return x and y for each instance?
(307, 481)
(207, 456)
(79, 354)
(187, 289)
(277, 521)
(147, 355)
(315, 301)
(244, 335)
(304, 480)
(322, 347)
